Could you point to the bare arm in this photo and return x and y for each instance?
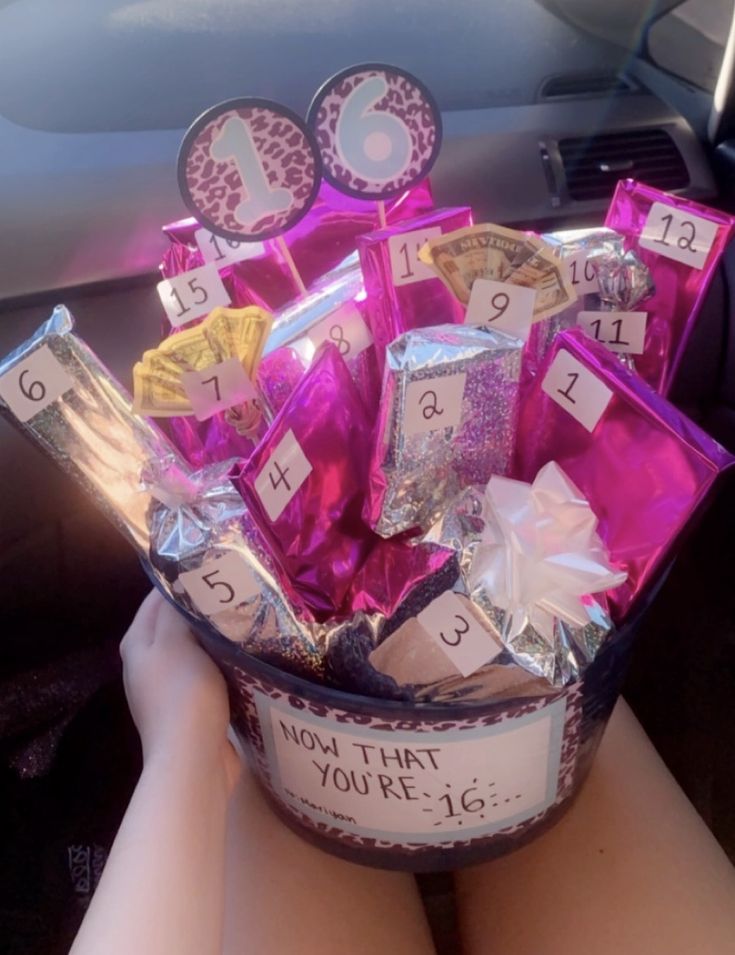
(162, 890)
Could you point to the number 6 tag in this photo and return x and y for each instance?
(34, 384)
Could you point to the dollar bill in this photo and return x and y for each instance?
(156, 396)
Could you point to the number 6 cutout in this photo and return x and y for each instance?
(378, 128)
(249, 169)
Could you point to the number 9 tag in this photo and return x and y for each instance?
(34, 384)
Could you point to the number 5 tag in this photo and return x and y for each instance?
(34, 384)
(220, 584)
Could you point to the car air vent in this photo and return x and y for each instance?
(571, 85)
(593, 164)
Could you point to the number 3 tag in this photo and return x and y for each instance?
(34, 384)
(454, 628)
(220, 584)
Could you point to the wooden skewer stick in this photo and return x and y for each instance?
(286, 253)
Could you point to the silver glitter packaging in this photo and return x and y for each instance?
(447, 420)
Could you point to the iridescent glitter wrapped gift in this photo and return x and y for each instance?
(447, 420)
(402, 292)
(56, 390)
(645, 468)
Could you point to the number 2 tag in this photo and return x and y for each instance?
(220, 584)
(509, 308)
(192, 294)
(282, 475)
(405, 265)
(34, 384)
(575, 389)
(434, 403)
(678, 235)
(216, 388)
(456, 631)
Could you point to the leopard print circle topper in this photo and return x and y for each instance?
(378, 128)
(249, 169)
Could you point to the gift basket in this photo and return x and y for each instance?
(416, 479)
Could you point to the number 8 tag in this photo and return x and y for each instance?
(34, 384)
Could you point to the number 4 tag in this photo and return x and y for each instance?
(283, 474)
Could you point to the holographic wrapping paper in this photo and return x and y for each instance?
(646, 469)
(679, 288)
(414, 475)
(396, 307)
(91, 432)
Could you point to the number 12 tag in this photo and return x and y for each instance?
(575, 389)
(34, 384)
(455, 629)
(678, 235)
(282, 475)
(216, 388)
(220, 584)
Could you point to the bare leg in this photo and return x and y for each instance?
(285, 896)
(631, 870)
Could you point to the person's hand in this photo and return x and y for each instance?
(177, 696)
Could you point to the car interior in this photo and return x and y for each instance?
(546, 104)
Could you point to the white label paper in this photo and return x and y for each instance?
(220, 252)
(621, 332)
(457, 632)
(346, 329)
(283, 474)
(678, 235)
(216, 388)
(574, 388)
(192, 294)
(434, 403)
(508, 308)
(220, 584)
(34, 383)
(404, 786)
(403, 249)
(581, 274)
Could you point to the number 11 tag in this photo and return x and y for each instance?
(283, 474)
(454, 628)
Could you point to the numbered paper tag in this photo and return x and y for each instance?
(581, 273)
(192, 294)
(509, 308)
(346, 329)
(34, 384)
(218, 387)
(678, 235)
(458, 633)
(576, 389)
(220, 584)
(403, 249)
(434, 403)
(283, 474)
(622, 332)
(220, 252)
(404, 786)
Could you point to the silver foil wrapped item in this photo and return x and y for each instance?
(447, 420)
(56, 390)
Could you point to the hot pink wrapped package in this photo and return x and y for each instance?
(402, 292)
(681, 243)
(645, 468)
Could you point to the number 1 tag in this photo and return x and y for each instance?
(509, 308)
(455, 629)
(403, 249)
(434, 403)
(34, 384)
(216, 388)
(282, 475)
(678, 235)
(575, 389)
(220, 584)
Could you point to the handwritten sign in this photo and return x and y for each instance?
(497, 305)
(429, 787)
(434, 403)
(34, 383)
(403, 249)
(378, 128)
(221, 583)
(576, 389)
(282, 475)
(192, 294)
(621, 332)
(678, 234)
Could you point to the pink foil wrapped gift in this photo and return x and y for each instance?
(681, 243)
(402, 292)
(644, 466)
(305, 484)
